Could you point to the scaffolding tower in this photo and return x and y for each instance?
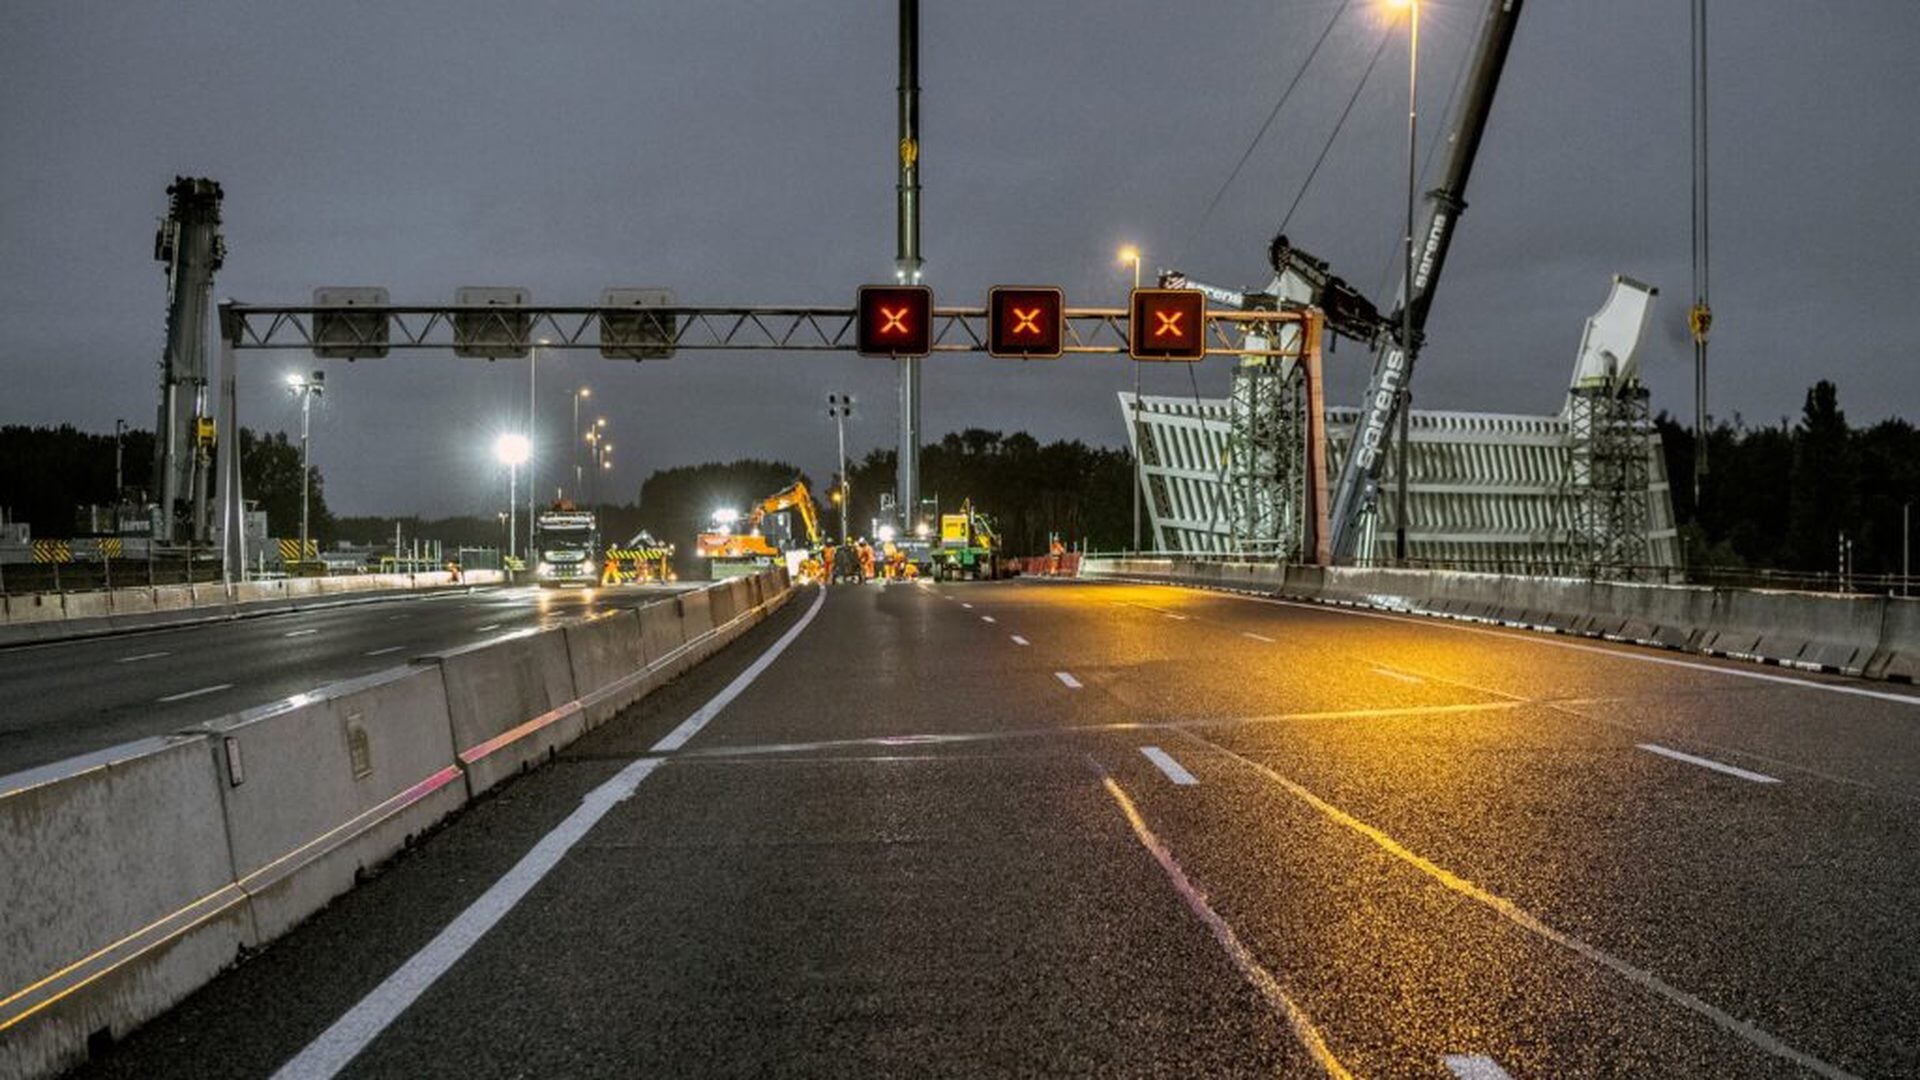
(1607, 478)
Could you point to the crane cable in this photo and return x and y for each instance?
(1271, 116)
(1378, 51)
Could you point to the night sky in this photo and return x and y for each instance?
(743, 153)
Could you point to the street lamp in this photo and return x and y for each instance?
(307, 388)
(840, 406)
(1406, 283)
(533, 474)
(577, 395)
(1131, 254)
(512, 450)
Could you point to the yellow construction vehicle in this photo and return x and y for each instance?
(640, 560)
(969, 546)
(731, 553)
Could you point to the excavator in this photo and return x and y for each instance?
(731, 554)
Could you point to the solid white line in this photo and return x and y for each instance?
(691, 725)
(1401, 675)
(343, 1041)
(1618, 654)
(385, 651)
(484, 629)
(1475, 1067)
(1018, 640)
(1258, 976)
(1072, 683)
(299, 633)
(1175, 771)
(988, 618)
(1256, 637)
(1705, 763)
(141, 656)
(197, 693)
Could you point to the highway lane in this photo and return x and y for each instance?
(930, 838)
(72, 697)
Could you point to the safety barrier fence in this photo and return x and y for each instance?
(1874, 636)
(45, 616)
(131, 876)
(1067, 565)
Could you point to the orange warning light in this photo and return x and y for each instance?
(1026, 322)
(895, 320)
(1167, 324)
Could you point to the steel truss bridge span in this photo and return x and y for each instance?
(507, 331)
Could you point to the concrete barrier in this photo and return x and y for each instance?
(609, 657)
(117, 896)
(510, 703)
(1875, 636)
(696, 623)
(1898, 654)
(320, 787)
(663, 633)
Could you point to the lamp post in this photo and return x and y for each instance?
(307, 388)
(1406, 281)
(840, 406)
(533, 471)
(577, 395)
(1131, 254)
(512, 450)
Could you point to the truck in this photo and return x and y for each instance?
(565, 541)
(969, 545)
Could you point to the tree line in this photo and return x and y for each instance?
(47, 474)
(1783, 497)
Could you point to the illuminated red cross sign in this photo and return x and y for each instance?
(1167, 324)
(1025, 321)
(895, 320)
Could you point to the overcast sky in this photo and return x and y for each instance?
(743, 153)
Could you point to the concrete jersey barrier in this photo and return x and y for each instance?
(118, 883)
(1872, 635)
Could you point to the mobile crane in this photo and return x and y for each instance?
(1300, 279)
(731, 554)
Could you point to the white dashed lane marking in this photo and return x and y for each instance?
(1072, 683)
(1162, 760)
(197, 693)
(1707, 763)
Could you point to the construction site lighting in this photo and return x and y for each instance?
(512, 449)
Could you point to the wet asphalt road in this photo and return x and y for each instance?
(929, 839)
(72, 697)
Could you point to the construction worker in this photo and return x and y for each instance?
(866, 560)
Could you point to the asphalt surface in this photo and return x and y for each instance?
(915, 845)
(67, 698)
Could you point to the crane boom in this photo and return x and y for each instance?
(1357, 488)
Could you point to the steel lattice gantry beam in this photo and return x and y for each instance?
(507, 330)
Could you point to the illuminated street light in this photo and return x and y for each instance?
(512, 450)
(582, 392)
(308, 388)
(1131, 254)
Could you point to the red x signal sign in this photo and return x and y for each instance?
(1167, 324)
(1025, 321)
(895, 320)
